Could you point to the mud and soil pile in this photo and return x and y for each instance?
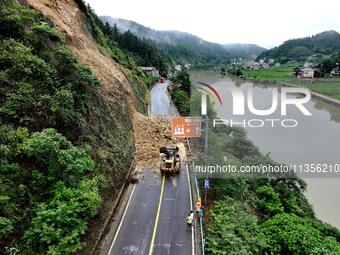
(151, 133)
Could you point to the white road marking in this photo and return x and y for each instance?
(121, 221)
(191, 208)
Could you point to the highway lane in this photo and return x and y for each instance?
(172, 236)
(139, 231)
(160, 102)
(134, 236)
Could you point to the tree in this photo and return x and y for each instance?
(183, 78)
(293, 235)
(233, 230)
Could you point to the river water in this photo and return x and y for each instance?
(316, 138)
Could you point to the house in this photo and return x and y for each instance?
(178, 68)
(253, 65)
(265, 66)
(187, 66)
(335, 71)
(150, 70)
(307, 73)
(307, 69)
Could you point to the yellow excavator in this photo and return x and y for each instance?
(170, 160)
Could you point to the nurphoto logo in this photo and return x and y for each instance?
(241, 100)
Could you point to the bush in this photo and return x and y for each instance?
(58, 183)
(233, 230)
(58, 225)
(269, 200)
(181, 96)
(6, 227)
(290, 234)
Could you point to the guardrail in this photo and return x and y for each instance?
(201, 232)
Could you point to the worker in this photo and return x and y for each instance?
(189, 220)
(200, 212)
(198, 205)
(192, 214)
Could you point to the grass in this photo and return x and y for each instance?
(326, 85)
(281, 73)
(328, 89)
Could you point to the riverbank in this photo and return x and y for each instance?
(259, 208)
(327, 92)
(298, 145)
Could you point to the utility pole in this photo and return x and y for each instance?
(206, 181)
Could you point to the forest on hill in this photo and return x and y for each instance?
(325, 43)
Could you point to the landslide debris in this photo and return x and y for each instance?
(151, 133)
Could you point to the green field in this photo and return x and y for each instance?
(328, 89)
(326, 85)
(282, 73)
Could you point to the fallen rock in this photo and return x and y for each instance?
(151, 133)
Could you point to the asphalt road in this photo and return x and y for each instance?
(160, 103)
(139, 231)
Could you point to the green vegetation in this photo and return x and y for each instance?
(49, 188)
(233, 230)
(180, 96)
(282, 73)
(328, 88)
(325, 43)
(289, 234)
(235, 72)
(126, 48)
(54, 147)
(329, 63)
(267, 215)
(144, 53)
(325, 85)
(182, 48)
(259, 214)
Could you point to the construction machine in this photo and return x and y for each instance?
(170, 160)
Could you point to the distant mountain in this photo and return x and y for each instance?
(183, 47)
(324, 43)
(244, 50)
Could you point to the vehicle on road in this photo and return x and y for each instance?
(170, 160)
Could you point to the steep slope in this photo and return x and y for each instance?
(66, 125)
(325, 43)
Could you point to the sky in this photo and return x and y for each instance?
(267, 23)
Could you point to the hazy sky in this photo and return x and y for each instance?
(265, 22)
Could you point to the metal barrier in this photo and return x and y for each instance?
(202, 243)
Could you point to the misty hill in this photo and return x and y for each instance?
(244, 50)
(324, 43)
(185, 47)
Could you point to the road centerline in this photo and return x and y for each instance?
(157, 216)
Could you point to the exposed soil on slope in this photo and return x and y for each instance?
(113, 116)
(68, 19)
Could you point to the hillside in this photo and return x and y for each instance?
(183, 47)
(68, 95)
(324, 43)
(244, 50)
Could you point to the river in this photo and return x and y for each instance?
(314, 140)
